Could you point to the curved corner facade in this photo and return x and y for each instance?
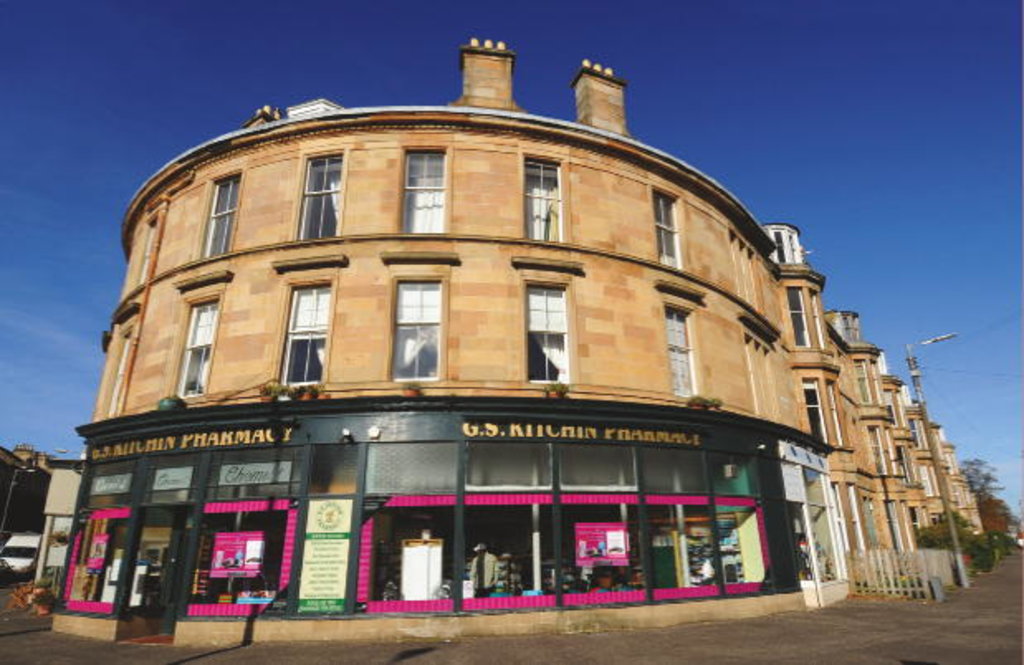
(525, 366)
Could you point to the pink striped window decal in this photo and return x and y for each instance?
(676, 500)
(599, 499)
(508, 499)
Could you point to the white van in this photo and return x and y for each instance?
(19, 553)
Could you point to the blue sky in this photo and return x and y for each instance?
(888, 131)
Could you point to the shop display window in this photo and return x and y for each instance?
(172, 480)
(596, 467)
(111, 484)
(744, 559)
(97, 558)
(394, 468)
(255, 473)
(674, 471)
(510, 559)
(333, 469)
(601, 560)
(244, 558)
(824, 552)
(405, 558)
(682, 549)
(509, 466)
(733, 474)
(801, 542)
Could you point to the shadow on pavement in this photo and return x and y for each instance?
(22, 632)
(409, 654)
(246, 641)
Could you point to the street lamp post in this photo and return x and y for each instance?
(10, 491)
(937, 459)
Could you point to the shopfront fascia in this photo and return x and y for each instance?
(382, 507)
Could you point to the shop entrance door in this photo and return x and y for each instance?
(158, 570)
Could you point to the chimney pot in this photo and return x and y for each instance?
(488, 43)
(474, 42)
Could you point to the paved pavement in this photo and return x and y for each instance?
(978, 626)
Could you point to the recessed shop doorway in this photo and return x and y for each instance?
(156, 577)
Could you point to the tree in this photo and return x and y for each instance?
(981, 478)
(982, 481)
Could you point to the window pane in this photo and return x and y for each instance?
(682, 546)
(305, 360)
(674, 471)
(547, 361)
(424, 211)
(411, 468)
(195, 370)
(597, 467)
(416, 352)
(412, 554)
(260, 533)
(739, 541)
(601, 551)
(517, 558)
(733, 474)
(419, 302)
(333, 469)
(509, 465)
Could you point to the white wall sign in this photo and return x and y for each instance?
(793, 482)
(116, 484)
(173, 478)
(255, 473)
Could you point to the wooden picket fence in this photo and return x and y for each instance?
(898, 574)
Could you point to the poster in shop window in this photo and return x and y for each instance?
(98, 553)
(325, 556)
(602, 544)
(237, 554)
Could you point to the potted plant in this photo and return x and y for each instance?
(411, 389)
(43, 599)
(557, 390)
(705, 403)
(272, 390)
(171, 403)
(308, 392)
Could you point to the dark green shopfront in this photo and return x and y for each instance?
(350, 509)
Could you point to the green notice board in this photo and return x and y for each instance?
(326, 555)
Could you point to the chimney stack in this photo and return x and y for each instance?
(487, 75)
(599, 98)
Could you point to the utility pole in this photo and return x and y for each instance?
(938, 461)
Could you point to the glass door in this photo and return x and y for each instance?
(156, 575)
